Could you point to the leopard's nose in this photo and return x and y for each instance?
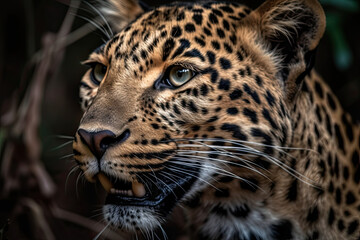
(99, 141)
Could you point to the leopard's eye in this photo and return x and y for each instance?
(98, 72)
(179, 75)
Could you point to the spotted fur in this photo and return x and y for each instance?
(254, 146)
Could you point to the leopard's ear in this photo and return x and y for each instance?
(292, 30)
(121, 12)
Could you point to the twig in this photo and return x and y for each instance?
(21, 169)
(38, 217)
(84, 222)
(65, 41)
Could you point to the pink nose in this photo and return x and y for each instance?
(99, 141)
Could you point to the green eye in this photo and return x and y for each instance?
(179, 75)
(98, 72)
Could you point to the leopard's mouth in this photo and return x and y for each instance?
(121, 187)
(160, 194)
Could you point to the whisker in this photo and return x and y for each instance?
(181, 176)
(94, 216)
(147, 177)
(163, 232)
(64, 137)
(99, 210)
(189, 165)
(101, 15)
(146, 233)
(232, 174)
(77, 183)
(152, 235)
(184, 170)
(142, 233)
(66, 156)
(226, 173)
(228, 154)
(242, 142)
(98, 235)
(158, 179)
(181, 163)
(152, 181)
(166, 175)
(279, 148)
(172, 168)
(244, 148)
(157, 236)
(73, 169)
(274, 160)
(285, 167)
(96, 25)
(143, 181)
(60, 146)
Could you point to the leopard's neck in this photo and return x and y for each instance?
(285, 204)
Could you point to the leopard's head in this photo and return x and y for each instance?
(188, 94)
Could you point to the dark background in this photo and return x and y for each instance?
(25, 26)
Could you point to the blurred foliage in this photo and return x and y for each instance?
(3, 230)
(342, 53)
(336, 11)
(2, 139)
(348, 5)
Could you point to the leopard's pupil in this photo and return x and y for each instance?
(103, 69)
(180, 73)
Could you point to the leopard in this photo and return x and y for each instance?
(215, 109)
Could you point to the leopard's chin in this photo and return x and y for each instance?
(129, 212)
(132, 218)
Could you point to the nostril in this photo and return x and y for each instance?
(99, 141)
(86, 137)
(122, 138)
(108, 141)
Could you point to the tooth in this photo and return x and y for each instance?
(130, 193)
(113, 190)
(138, 189)
(105, 182)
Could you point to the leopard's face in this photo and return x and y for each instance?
(181, 98)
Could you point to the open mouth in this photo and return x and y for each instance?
(161, 193)
(121, 187)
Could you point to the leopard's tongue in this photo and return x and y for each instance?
(137, 189)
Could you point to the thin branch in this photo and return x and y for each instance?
(87, 223)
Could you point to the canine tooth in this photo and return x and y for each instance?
(105, 182)
(138, 189)
(130, 193)
(113, 190)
